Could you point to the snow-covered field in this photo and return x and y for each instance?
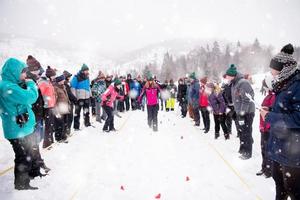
(95, 165)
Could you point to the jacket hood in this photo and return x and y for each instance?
(12, 70)
(238, 77)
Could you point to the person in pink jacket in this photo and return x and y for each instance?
(151, 90)
(108, 99)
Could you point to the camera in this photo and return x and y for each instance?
(22, 119)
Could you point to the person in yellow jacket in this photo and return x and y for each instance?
(172, 89)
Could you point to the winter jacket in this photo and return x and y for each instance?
(135, 85)
(15, 100)
(182, 91)
(151, 95)
(109, 96)
(62, 103)
(194, 93)
(38, 107)
(267, 102)
(203, 98)
(217, 102)
(80, 86)
(72, 98)
(173, 90)
(125, 87)
(227, 94)
(48, 92)
(284, 142)
(98, 89)
(241, 87)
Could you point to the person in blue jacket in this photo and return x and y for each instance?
(284, 143)
(194, 97)
(135, 89)
(17, 94)
(80, 87)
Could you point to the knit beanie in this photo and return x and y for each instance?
(232, 70)
(33, 64)
(50, 72)
(284, 58)
(117, 82)
(84, 67)
(193, 75)
(67, 74)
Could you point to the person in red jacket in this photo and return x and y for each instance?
(46, 87)
(108, 99)
(265, 133)
(203, 102)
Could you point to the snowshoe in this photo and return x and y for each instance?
(206, 131)
(113, 129)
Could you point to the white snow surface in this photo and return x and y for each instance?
(95, 165)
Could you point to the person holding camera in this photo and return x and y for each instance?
(18, 121)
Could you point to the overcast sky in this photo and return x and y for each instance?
(123, 25)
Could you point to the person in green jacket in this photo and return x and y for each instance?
(17, 93)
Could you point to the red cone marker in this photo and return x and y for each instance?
(158, 196)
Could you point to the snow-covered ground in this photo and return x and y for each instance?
(178, 162)
(95, 165)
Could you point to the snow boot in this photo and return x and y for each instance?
(260, 173)
(227, 136)
(45, 168)
(155, 128)
(25, 187)
(217, 135)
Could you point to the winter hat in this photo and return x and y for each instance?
(193, 75)
(33, 64)
(203, 80)
(232, 70)
(149, 76)
(84, 67)
(284, 58)
(50, 72)
(67, 74)
(60, 78)
(117, 82)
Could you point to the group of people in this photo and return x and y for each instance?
(40, 105)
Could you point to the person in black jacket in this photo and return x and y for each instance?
(72, 99)
(34, 71)
(182, 97)
(230, 114)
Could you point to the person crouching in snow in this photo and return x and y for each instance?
(108, 99)
(217, 103)
(62, 109)
(151, 90)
